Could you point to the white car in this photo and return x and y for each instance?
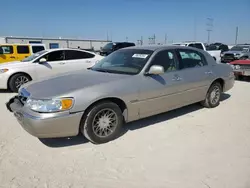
(44, 64)
(215, 53)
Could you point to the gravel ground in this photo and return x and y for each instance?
(191, 147)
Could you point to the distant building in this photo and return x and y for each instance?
(57, 42)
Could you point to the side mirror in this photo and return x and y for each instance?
(42, 60)
(156, 70)
(1, 50)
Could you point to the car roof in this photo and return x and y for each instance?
(23, 44)
(159, 47)
(76, 49)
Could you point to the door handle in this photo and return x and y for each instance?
(12, 57)
(177, 78)
(208, 72)
(62, 63)
(88, 61)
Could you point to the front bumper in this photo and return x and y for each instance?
(242, 72)
(3, 81)
(45, 125)
(228, 59)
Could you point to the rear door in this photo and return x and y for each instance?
(7, 54)
(196, 74)
(23, 51)
(37, 48)
(76, 59)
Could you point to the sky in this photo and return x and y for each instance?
(121, 20)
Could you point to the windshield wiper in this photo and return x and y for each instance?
(98, 70)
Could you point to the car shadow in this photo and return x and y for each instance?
(64, 142)
(136, 125)
(5, 91)
(142, 123)
(244, 79)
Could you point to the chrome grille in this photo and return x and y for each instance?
(244, 66)
(229, 55)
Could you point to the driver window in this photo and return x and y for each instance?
(54, 56)
(166, 60)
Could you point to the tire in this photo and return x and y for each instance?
(239, 77)
(22, 78)
(208, 102)
(90, 131)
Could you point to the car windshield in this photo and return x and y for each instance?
(126, 61)
(34, 56)
(240, 48)
(108, 46)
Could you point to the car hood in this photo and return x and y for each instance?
(66, 83)
(13, 64)
(233, 52)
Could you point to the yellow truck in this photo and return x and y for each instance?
(17, 52)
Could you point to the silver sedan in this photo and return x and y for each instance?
(127, 85)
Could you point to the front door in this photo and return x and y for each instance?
(160, 93)
(7, 53)
(54, 65)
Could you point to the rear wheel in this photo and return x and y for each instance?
(102, 123)
(213, 96)
(17, 80)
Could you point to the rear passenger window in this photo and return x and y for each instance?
(36, 49)
(7, 49)
(23, 50)
(71, 55)
(191, 59)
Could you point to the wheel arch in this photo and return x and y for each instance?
(122, 105)
(220, 81)
(8, 82)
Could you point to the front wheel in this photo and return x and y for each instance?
(213, 96)
(17, 80)
(102, 123)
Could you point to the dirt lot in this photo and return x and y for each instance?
(190, 147)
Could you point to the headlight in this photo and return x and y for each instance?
(53, 105)
(3, 70)
(236, 67)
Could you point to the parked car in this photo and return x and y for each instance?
(241, 68)
(45, 63)
(129, 84)
(18, 52)
(215, 53)
(113, 46)
(237, 52)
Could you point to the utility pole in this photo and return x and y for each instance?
(209, 28)
(165, 38)
(236, 36)
(195, 28)
(140, 41)
(126, 39)
(107, 36)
